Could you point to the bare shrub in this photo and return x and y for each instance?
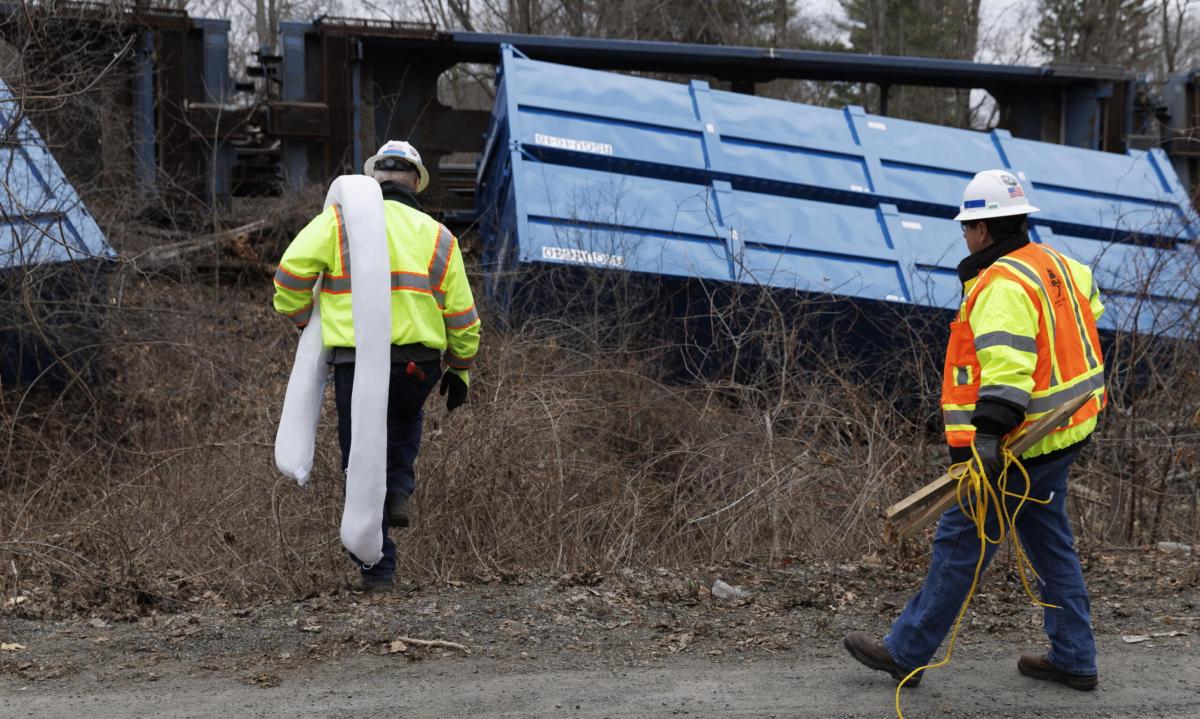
(577, 450)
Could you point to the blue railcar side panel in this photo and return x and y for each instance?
(938, 149)
(823, 272)
(624, 173)
(791, 223)
(645, 251)
(794, 165)
(739, 115)
(1108, 217)
(605, 198)
(1104, 173)
(611, 138)
(599, 89)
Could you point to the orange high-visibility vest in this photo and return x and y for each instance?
(1067, 348)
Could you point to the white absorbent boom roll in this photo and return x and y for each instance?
(361, 205)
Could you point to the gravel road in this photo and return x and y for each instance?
(1139, 682)
(645, 643)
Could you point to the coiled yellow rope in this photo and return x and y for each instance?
(975, 497)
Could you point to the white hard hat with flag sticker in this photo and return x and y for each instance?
(399, 150)
(993, 193)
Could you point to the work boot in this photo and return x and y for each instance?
(396, 506)
(870, 651)
(1039, 666)
(365, 585)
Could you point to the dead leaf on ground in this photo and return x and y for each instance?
(266, 679)
(11, 647)
(397, 647)
(679, 642)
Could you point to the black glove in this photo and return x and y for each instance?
(991, 453)
(457, 388)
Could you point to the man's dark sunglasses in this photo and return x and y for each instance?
(394, 164)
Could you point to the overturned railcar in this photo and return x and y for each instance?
(54, 260)
(703, 196)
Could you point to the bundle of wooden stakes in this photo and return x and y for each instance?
(908, 516)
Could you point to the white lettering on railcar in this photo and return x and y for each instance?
(566, 143)
(584, 257)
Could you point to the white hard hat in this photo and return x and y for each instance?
(993, 193)
(401, 150)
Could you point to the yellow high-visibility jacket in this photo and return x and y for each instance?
(1026, 334)
(432, 302)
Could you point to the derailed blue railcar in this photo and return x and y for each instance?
(53, 261)
(687, 184)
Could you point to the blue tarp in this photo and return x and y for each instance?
(598, 169)
(43, 218)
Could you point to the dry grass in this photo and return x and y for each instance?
(161, 484)
(157, 484)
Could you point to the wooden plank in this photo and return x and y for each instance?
(923, 495)
(1018, 445)
(911, 514)
(175, 253)
(897, 531)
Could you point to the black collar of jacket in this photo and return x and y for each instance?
(972, 265)
(399, 193)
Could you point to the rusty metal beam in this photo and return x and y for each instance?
(298, 119)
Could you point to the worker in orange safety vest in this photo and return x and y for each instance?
(1023, 343)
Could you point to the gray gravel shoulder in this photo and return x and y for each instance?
(1162, 682)
(647, 643)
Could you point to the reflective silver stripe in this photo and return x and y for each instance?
(1039, 405)
(1006, 339)
(1015, 395)
(462, 320)
(440, 298)
(440, 262)
(1074, 299)
(343, 239)
(302, 316)
(459, 362)
(336, 285)
(400, 281)
(289, 281)
(951, 417)
(410, 281)
(1046, 309)
(962, 376)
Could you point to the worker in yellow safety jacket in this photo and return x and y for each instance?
(433, 319)
(1024, 342)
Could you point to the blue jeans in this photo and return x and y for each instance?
(405, 413)
(1045, 534)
